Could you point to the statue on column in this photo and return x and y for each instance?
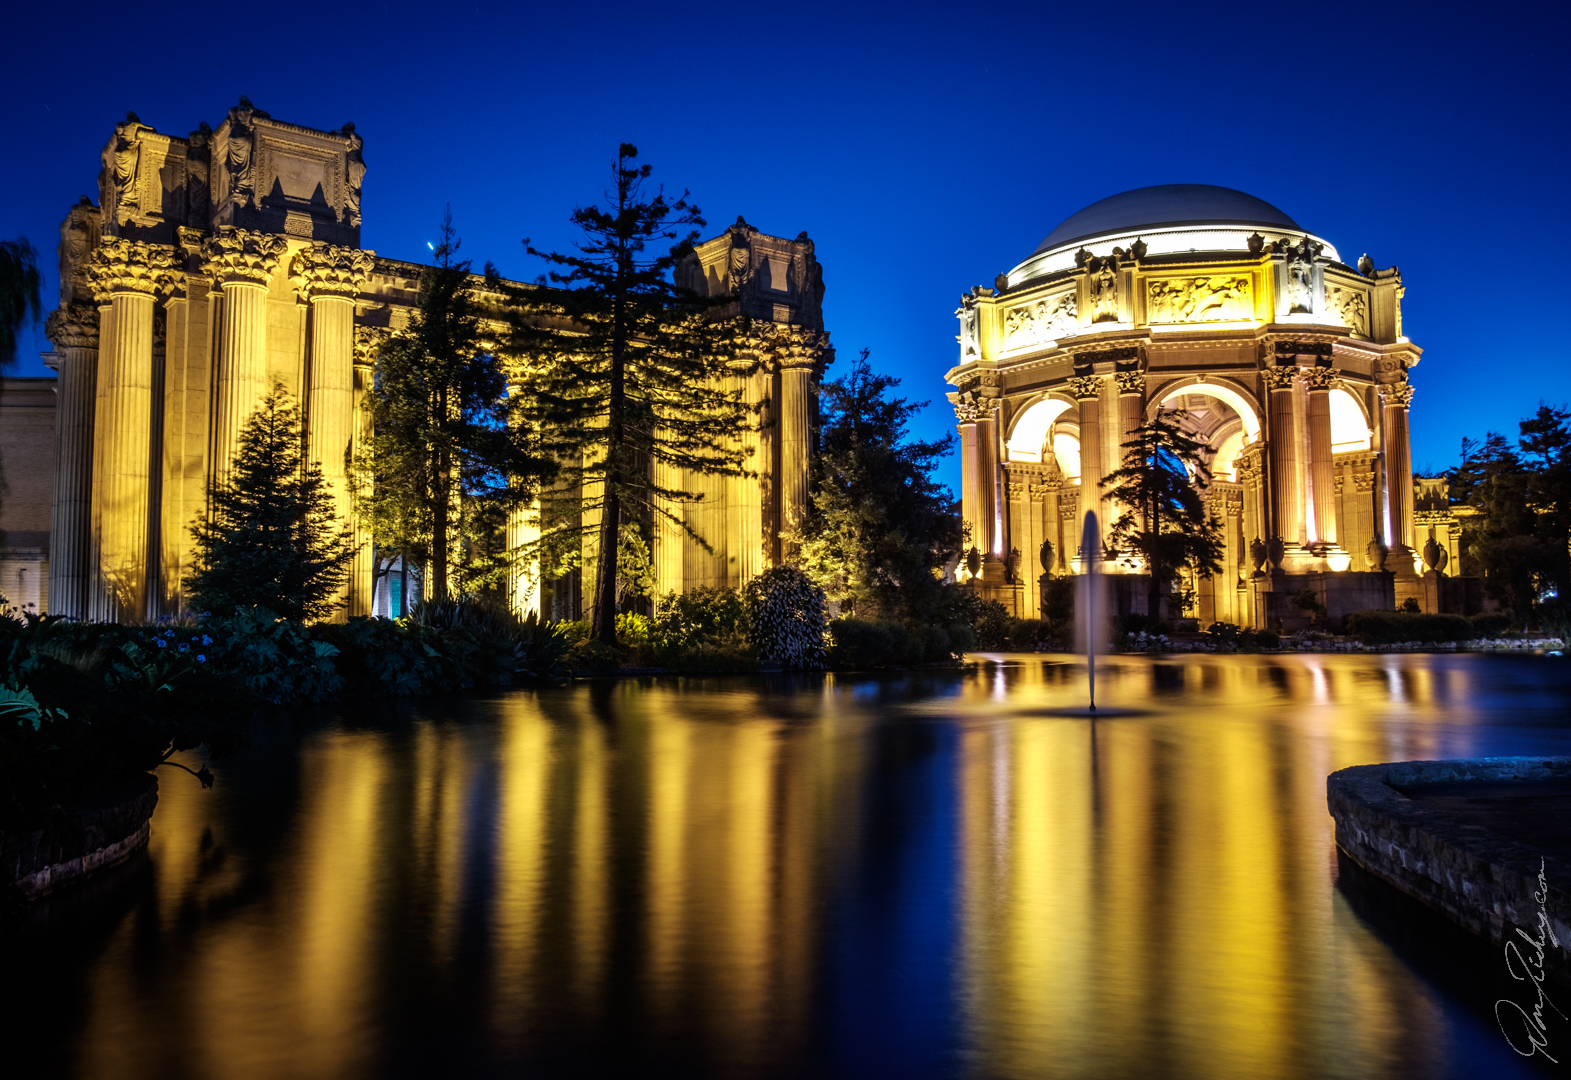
(122, 164)
(238, 152)
(355, 174)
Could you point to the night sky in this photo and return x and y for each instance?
(924, 149)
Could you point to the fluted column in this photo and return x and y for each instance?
(967, 412)
(241, 262)
(329, 279)
(126, 273)
(796, 435)
(744, 524)
(1286, 518)
(1087, 390)
(1395, 400)
(362, 571)
(990, 538)
(523, 529)
(1131, 413)
(1319, 382)
(73, 330)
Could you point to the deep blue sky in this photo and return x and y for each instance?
(924, 149)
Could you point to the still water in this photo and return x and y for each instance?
(924, 876)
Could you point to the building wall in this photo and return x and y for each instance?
(27, 456)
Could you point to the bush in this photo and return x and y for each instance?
(1259, 639)
(1490, 625)
(1389, 627)
(861, 644)
(786, 615)
(701, 616)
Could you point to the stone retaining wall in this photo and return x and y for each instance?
(1483, 881)
(80, 840)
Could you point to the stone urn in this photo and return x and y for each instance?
(1435, 556)
(974, 562)
(1045, 556)
(1275, 551)
(1375, 554)
(1257, 555)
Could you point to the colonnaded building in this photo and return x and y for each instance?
(222, 263)
(1291, 365)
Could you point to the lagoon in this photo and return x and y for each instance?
(926, 875)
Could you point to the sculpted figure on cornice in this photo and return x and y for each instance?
(243, 255)
(199, 175)
(78, 236)
(122, 166)
(969, 337)
(1300, 268)
(1350, 307)
(1041, 322)
(329, 270)
(356, 177)
(239, 152)
(1104, 290)
(1201, 299)
(118, 266)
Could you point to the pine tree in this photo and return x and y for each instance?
(1159, 486)
(620, 371)
(272, 539)
(445, 461)
(879, 524)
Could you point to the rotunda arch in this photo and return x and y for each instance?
(1350, 424)
(1029, 429)
(1224, 390)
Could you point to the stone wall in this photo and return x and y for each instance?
(84, 838)
(27, 470)
(1479, 880)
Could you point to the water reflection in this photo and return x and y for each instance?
(923, 877)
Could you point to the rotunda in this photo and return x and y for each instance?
(1290, 365)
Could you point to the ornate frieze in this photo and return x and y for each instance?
(1351, 308)
(1302, 348)
(330, 270)
(242, 255)
(1130, 383)
(130, 266)
(73, 326)
(1320, 378)
(1396, 395)
(1037, 324)
(1201, 299)
(1122, 355)
(1279, 378)
(1086, 387)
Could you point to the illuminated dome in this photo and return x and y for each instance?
(1166, 206)
(1168, 219)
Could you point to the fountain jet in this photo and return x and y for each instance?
(1090, 610)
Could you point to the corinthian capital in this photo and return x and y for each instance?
(118, 265)
(73, 326)
(970, 408)
(242, 255)
(1320, 378)
(1130, 383)
(1085, 387)
(1279, 378)
(1396, 395)
(328, 270)
(368, 340)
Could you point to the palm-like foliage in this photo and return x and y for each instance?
(21, 287)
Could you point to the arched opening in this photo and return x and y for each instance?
(1032, 429)
(1236, 400)
(1066, 449)
(1349, 425)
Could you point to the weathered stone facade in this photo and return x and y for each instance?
(27, 456)
(223, 263)
(1292, 367)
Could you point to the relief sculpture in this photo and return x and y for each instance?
(1203, 299)
(122, 164)
(1351, 307)
(1039, 323)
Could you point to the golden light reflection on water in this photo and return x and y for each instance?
(672, 868)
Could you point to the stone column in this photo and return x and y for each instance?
(1318, 381)
(668, 534)
(1131, 412)
(1087, 390)
(241, 262)
(126, 274)
(967, 410)
(796, 434)
(1286, 521)
(524, 592)
(1398, 460)
(362, 571)
(73, 330)
(990, 537)
(329, 280)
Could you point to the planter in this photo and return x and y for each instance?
(83, 838)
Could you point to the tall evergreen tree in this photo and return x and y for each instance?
(621, 371)
(879, 524)
(445, 460)
(20, 289)
(272, 539)
(1159, 486)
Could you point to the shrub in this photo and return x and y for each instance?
(701, 616)
(1490, 625)
(1389, 627)
(786, 615)
(1259, 639)
(860, 644)
(593, 655)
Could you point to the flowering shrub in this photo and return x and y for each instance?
(787, 615)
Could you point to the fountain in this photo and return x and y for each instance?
(1091, 617)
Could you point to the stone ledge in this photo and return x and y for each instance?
(1479, 879)
(80, 840)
